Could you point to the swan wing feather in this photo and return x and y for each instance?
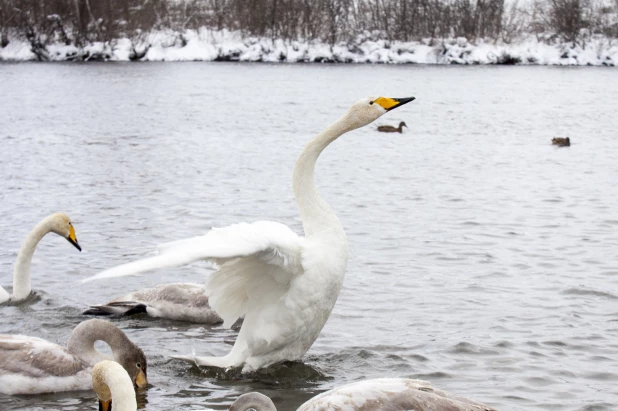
(31, 365)
(4, 295)
(272, 242)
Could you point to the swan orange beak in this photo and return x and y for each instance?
(73, 239)
(105, 405)
(141, 381)
(389, 104)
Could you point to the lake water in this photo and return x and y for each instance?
(482, 258)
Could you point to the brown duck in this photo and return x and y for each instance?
(561, 141)
(391, 129)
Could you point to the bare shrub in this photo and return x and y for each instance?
(82, 22)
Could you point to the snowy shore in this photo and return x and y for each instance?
(209, 45)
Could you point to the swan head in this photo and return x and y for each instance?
(253, 401)
(133, 360)
(60, 224)
(111, 381)
(367, 110)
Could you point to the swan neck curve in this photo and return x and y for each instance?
(21, 273)
(315, 213)
(83, 337)
(111, 382)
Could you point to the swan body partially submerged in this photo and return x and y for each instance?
(113, 385)
(30, 365)
(182, 302)
(57, 223)
(384, 394)
(285, 285)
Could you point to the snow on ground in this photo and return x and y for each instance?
(212, 45)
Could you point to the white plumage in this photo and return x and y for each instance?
(58, 223)
(31, 365)
(284, 284)
(383, 394)
(113, 385)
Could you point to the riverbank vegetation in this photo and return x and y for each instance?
(130, 24)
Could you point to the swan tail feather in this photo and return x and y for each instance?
(117, 308)
(4, 295)
(219, 362)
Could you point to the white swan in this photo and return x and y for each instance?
(30, 365)
(112, 384)
(384, 394)
(182, 301)
(286, 285)
(58, 223)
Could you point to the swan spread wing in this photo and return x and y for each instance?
(274, 243)
(249, 257)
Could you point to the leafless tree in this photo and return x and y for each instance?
(333, 21)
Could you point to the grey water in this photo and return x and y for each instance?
(482, 258)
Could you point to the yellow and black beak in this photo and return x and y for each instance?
(140, 380)
(389, 104)
(105, 405)
(72, 239)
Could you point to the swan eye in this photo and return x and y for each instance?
(139, 365)
(371, 102)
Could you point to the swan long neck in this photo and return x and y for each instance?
(111, 382)
(83, 337)
(21, 273)
(122, 391)
(315, 213)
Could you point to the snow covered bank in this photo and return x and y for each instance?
(209, 45)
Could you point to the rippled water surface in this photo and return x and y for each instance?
(482, 258)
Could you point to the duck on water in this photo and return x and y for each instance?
(391, 129)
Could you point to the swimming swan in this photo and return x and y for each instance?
(30, 365)
(56, 223)
(112, 384)
(384, 394)
(286, 285)
(182, 302)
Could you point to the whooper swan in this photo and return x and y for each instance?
(182, 302)
(284, 284)
(56, 223)
(112, 384)
(30, 365)
(384, 394)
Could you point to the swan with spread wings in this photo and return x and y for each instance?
(284, 284)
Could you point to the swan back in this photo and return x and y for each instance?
(253, 401)
(391, 394)
(112, 384)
